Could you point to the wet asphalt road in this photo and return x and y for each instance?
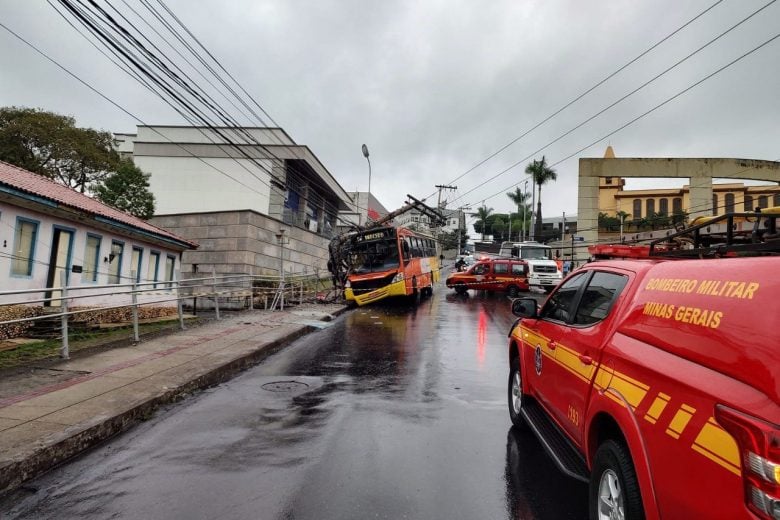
(392, 412)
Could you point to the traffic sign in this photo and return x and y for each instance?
(576, 238)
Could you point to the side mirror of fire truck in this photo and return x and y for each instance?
(525, 308)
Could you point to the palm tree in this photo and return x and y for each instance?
(541, 174)
(521, 201)
(482, 214)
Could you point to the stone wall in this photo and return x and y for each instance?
(240, 242)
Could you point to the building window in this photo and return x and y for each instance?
(170, 265)
(91, 258)
(749, 204)
(714, 204)
(677, 205)
(763, 201)
(153, 268)
(637, 208)
(776, 199)
(24, 247)
(115, 262)
(663, 206)
(135, 262)
(608, 180)
(729, 203)
(650, 206)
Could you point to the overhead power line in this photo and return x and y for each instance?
(622, 98)
(133, 116)
(588, 91)
(644, 114)
(184, 82)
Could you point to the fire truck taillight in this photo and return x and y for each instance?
(759, 446)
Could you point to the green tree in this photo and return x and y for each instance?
(51, 145)
(541, 174)
(498, 227)
(609, 223)
(482, 216)
(127, 189)
(450, 240)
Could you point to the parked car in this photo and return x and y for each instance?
(492, 275)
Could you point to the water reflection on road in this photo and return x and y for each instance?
(395, 411)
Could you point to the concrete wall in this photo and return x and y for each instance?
(187, 185)
(241, 242)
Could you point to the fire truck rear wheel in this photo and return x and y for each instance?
(461, 288)
(513, 291)
(515, 395)
(614, 490)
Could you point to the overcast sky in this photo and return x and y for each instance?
(434, 87)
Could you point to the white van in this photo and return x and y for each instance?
(543, 271)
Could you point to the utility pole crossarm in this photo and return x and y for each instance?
(443, 187)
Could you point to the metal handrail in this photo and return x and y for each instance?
(212, 288)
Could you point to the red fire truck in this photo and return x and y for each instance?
(657, 379)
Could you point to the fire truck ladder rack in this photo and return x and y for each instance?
(719, 236)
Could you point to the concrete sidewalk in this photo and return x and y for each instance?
(113, 390)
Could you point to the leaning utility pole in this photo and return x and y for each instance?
(438, 204)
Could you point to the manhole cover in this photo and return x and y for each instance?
(284, 386)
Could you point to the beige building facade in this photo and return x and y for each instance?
(602, 183)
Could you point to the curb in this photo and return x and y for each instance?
(50, 454)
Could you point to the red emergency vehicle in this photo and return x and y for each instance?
(496, 274)
(657, 380)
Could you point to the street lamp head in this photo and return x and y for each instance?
(365, 151)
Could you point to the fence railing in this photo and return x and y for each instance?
(236, 291)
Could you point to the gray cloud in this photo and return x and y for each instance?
(434, 87)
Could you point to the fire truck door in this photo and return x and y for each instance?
(550, 357)
(579, 352)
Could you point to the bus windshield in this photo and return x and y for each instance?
(379, 255)
(533, 253)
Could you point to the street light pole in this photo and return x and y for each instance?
(365, 154)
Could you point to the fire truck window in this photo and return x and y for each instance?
(406, 248)
(499, 268)
(480, 269)
(518, 269)
(598, 297)
(560, 305)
